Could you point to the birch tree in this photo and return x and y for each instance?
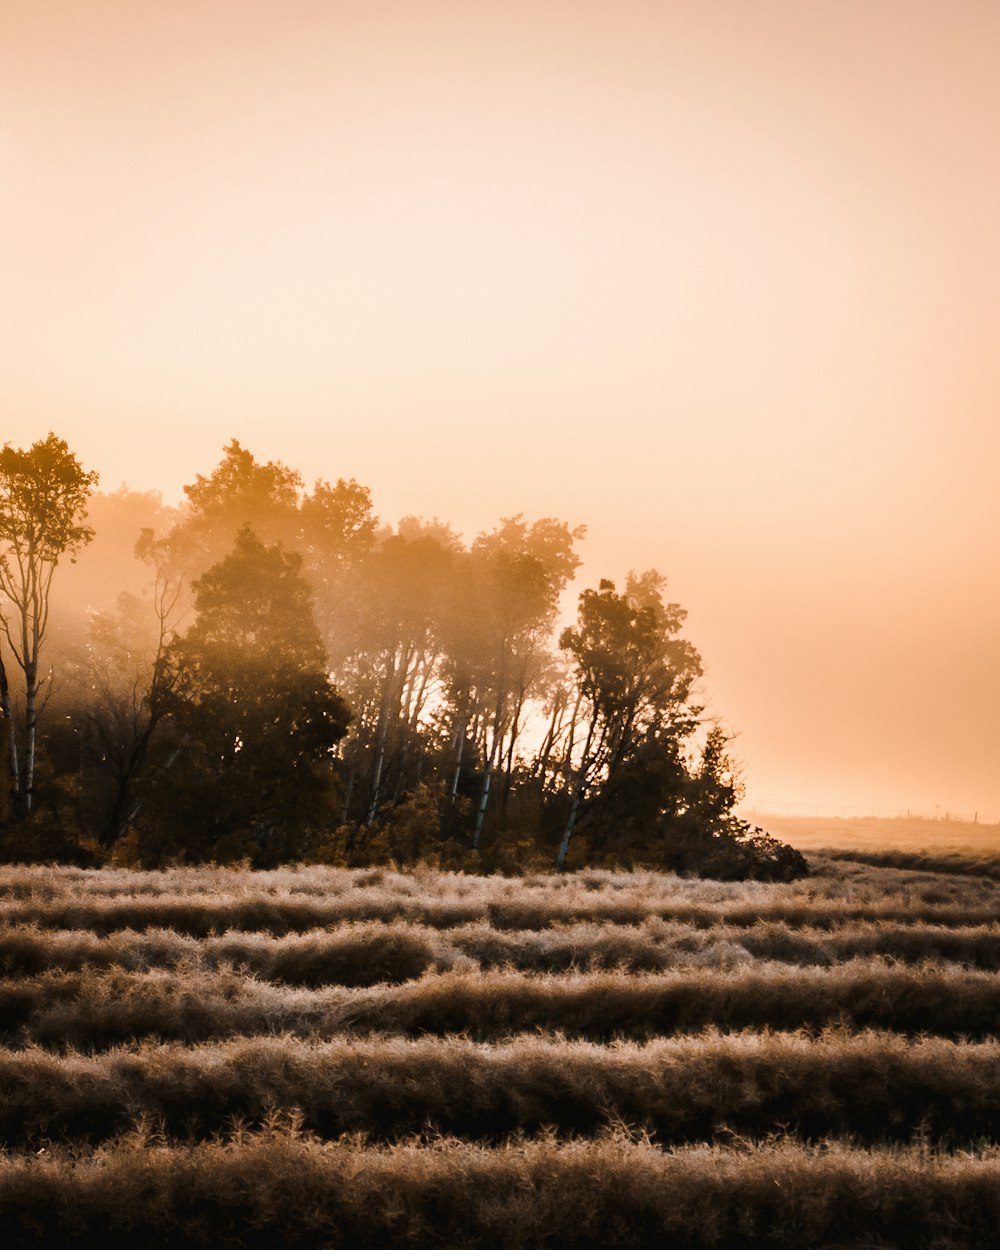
(519, 571)
(390, 670)
(634, 678)
(43, 498)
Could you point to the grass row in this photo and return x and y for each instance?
(198, 901)
(283, 1187)
(97, 1009)
(278, 915)
(371, 952)
(33, 882)
(969, 863)
(872, 1087)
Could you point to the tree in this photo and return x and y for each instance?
(110, 624)
(500, 637)
(109, 709)
(239, 492)
(633, 680)
(256, 718)
(43, 497)
(392, 631)
(337, 534)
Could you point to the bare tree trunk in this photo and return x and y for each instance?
(31, 735)
(541, 765)
(381, 736)
(459, 752)
(345, 810)
(574, 810)
(12, 756)
(484, 794)
(508, 779)
(376, 785)
(573, 721)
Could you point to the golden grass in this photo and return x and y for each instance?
(373, 952)
(183, 1052)
(284, 1187)
(94, 1009)
(885, 834)
(870, 1087)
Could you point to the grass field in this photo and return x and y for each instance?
(957, 846)
(325, 1058)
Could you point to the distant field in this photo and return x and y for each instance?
(902, 842)
(332, 1058)
(877, 833)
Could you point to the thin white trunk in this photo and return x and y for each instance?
(574, 810)
(12, 756)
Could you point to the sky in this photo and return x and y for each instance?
(719, 280)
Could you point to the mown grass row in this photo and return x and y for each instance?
(282, 1187)
(312, 897)
(279, 916)
(871, 1088)
(370, 952)
(62, 883)
(967, 863)
(99, 1009)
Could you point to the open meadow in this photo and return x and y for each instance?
(944, 845)
(331, 1057)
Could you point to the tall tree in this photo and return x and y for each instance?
(337, 535)
(500, 642)
(109, 709)
(634, 677)
(390, 668)
(43, 498)
(256, 716)
(239, 491)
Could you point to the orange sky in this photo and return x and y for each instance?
(720, 280)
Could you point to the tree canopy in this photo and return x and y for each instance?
(43, 499)
(254, 715)
(296, 679)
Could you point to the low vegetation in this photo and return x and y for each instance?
(283, 1187)
(871, 1087)
(326, 1056)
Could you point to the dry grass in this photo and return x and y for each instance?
(912, 834)
(372, 952)
(99, 1009)
(203, 901)
(283, 1187)
(871, 1087)
(186, 1049)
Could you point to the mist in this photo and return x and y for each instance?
(724, 291)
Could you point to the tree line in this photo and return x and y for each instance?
(284, 677)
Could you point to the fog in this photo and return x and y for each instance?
(720, 287)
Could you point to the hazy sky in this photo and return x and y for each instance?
(719, 279)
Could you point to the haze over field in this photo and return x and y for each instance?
(717, 281)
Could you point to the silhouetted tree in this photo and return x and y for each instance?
(338, 532)
(499, 643)
(43, 497)
(230, 739)
(256, 718)
(112, 707)
(633, 680)
(239, 492)
(391, 671)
